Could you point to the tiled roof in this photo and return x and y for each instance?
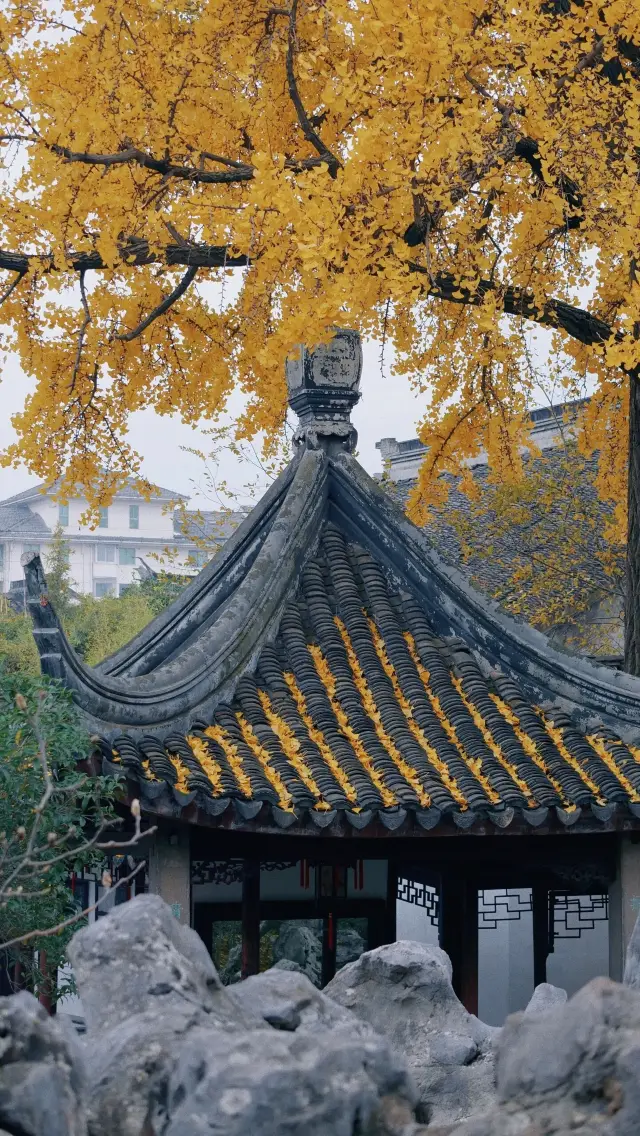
(205, 525)
(490, 560)
(128, 491)
(359, 708)
(18, 519)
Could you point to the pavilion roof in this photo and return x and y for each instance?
(328, 668)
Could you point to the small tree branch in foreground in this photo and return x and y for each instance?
(162, 307)
(49, 931)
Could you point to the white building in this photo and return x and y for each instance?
(132, 533)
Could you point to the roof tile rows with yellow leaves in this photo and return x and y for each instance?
(357, 707)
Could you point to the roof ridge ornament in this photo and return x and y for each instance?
(324, 386)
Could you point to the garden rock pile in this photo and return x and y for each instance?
(571, 1070)
(404, 992)
(385, 1050)
(169, 1051)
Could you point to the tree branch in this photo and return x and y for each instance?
(167, 168)
(577, 322)
(239, 172)
(46, 934)
(135, 252)
(163, 307)
(310, 134)
(85, 323)
(14, 284)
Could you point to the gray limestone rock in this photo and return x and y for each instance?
(299, 943)
(299, 1084)
(41, 1089)
(632, 962)
(573, 1070)
(139, 959)
(544, 997)
(287, 1000)
(287, 964)
(146, 982)
(349, 945)
(169, 1051)
(404, 991)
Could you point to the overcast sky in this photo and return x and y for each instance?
(388, 408)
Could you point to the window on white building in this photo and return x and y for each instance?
(31, 548)
(134, 516)
(124, 588)
(106, 553)
(102, 588)
(127, 555)
(199, 556)
(1, 561)
(103, 522)
(63, 515)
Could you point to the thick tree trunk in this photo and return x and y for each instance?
(632, 598)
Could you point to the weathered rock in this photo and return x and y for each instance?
(299, 1084)
(631, 975)
(287, 1000)
(544, 997)
(299, 943)
(170, 1051)
(141, 958)
(287, 964)
(404, 991)
(349, 946)
(41, 1088)
(145, 982)
(571, 1071)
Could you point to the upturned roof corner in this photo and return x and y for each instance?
(328, 664)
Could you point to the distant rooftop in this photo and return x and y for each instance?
(128, 491)
(546, 421)
(19, 520)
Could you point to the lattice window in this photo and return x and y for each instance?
(421, 895)
(574, 914)
(502, 906)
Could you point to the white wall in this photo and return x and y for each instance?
(149, 541)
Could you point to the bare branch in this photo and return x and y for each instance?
(45, 934)
(163, 307)
(132, 154)
(310, 134)
(85, 323)
(14, 284)
(135, 252)
(576, 322)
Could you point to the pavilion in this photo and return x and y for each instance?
(328, 709)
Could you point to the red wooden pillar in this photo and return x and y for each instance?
(459, 935)
(250, 917)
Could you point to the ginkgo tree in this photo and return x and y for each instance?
(441, 174)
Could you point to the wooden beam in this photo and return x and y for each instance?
(392, 899)
(250, 918)
(540, 910)
(459, 935)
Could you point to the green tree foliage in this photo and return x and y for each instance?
(59, 574)
(40, 738)
(95, 627)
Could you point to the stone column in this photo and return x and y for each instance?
(170, 868)
(624, 903)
